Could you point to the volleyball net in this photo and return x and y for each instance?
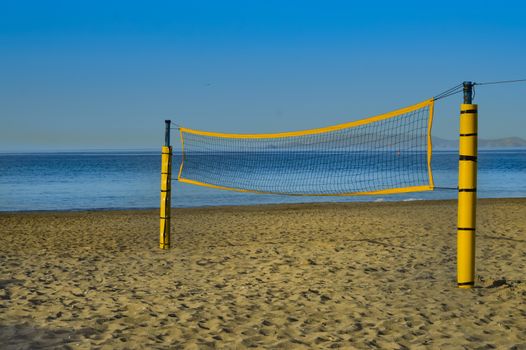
(388, 153)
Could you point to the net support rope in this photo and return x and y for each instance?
(384, 154)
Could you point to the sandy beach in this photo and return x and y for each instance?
(352, 276)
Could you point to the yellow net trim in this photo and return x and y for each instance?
(300, 162)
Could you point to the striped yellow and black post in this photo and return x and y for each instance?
(467, 191)
(166, 189)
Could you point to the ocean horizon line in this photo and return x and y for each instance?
(126, 151)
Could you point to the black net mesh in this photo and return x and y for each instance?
(379, 155)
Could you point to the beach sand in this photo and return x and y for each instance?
(347, 275)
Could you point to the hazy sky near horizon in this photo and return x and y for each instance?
(105, 74)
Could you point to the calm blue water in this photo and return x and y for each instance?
(69, 181)
(309, 172)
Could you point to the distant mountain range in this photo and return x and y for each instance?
(504, 143)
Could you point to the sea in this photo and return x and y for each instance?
(131, 180)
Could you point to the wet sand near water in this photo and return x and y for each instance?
(339, 275)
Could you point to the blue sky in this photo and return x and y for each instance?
(102, 74)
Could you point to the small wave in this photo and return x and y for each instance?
(411, 199)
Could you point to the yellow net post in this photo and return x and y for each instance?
(467, 191)
(166, 189)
